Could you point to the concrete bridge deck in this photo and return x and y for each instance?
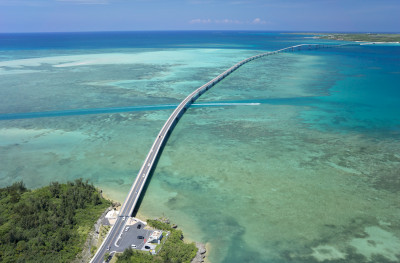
(162, 137)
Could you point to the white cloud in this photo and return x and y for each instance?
(228, 21)
(215, 21)
(200, 21)
(258, 21)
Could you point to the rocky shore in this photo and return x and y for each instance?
(201, 248)
(201, 253)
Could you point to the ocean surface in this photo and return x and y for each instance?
(292, 158)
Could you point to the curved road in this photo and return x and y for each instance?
(137, 187)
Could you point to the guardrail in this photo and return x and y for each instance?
(161, 137)
(129, 204)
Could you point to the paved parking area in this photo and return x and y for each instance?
(131, 236)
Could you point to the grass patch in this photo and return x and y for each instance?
(93, 250)
(102, 234)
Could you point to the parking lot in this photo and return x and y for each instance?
(133, 236)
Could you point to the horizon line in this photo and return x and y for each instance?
(205, 30)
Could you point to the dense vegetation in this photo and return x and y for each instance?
(369, 37)
(49, 224)
(364, 37)
(173, 251)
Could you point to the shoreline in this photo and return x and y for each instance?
(203, 248)
(373, 38)
(115, 204)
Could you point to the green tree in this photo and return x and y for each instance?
(106, 256)
(47, 224)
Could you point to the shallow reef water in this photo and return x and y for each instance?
(300, 163)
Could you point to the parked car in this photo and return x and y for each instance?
(139, 226)
(146, 247)
(140, 237)
(133, 246)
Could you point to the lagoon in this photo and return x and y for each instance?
(304, 168)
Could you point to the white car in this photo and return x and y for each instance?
(133, 246)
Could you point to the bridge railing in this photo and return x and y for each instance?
(153, 154)
(154, 151)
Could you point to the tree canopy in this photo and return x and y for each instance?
(49, 224)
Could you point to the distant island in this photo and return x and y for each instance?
(367, 37)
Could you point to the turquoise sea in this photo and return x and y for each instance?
(292, 158)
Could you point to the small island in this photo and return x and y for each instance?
(359, 37)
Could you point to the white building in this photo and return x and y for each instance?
(155, 237)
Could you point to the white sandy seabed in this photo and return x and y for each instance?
(255, 182)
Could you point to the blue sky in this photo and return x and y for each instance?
(131, 15)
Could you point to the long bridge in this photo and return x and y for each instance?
(151, 159)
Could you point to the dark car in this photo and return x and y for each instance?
(146, 247)
(139, 226)
(140, 237)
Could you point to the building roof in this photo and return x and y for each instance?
(155, 235)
